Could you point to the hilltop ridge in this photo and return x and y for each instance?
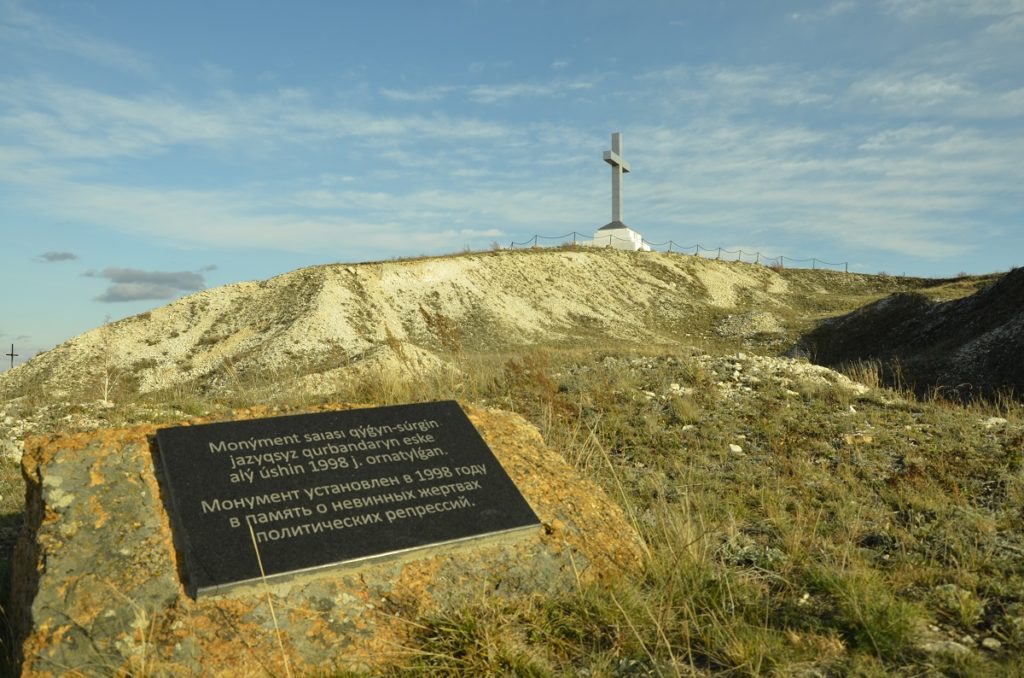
(334, 318)
(319, 326)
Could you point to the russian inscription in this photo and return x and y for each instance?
(318, 490)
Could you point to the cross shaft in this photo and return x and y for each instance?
(619, 167)
(13, 355)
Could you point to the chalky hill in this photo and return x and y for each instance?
(315, 326)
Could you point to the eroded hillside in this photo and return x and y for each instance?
(964, 347)
(336, 318)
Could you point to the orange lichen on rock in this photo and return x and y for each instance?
(98, 584)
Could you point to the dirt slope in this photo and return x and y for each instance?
(968, 346)
(411, 313)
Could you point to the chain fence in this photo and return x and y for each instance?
(698, 250)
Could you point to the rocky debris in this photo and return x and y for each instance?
(732, 376)
(744, 372)
(97, 589)
(747, 325)
(12, 432)
(994, 422)
(965, 347)
(991, 644)
(949, 647)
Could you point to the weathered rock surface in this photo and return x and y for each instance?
(967, 346)
(97, 589)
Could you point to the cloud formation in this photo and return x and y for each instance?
(903, 155)
(131, 284)
(909, 9)
(51, 257)
(34, 31)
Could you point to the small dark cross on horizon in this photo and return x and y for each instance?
(13, 356)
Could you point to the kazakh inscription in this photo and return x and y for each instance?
(318, 490)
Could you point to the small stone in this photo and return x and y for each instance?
(945, 647)
(991, 643)
(992, 422)
(734, 448)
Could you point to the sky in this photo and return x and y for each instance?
(151, 150)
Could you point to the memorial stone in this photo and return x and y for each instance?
(283, 495)
(98, 577)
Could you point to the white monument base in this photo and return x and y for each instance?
(619, 236)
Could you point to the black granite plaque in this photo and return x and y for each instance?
(319, 490)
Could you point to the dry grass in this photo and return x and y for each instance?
(849, 533)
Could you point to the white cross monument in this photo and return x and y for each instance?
(615, 233)
(619, 167)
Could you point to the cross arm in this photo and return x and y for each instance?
(613, 159)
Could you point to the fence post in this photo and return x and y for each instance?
(719, 253)
(757, 257)
(814, 263)
(846, 266)
(669, 245)
(574, 237)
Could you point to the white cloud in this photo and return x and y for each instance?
(878, 159)
(31, 31)
(1008, 26)
(837, 8)
(912, 189)
(77, 122)
(67, 121)
(734, 87)
(908, 9)
(419, 95)
(488, 94)
(912, 91)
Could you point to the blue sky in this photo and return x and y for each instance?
(149, 150)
